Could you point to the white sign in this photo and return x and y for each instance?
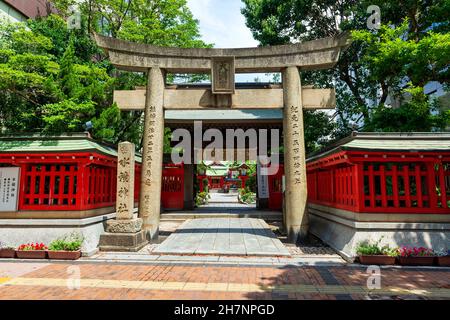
(263, 183)
(9, 188)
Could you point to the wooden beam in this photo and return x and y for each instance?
(182, 99)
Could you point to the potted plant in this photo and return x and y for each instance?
(373, 254)
(32, 251)
(416, 256)
(66, 248)
(443, 258)
(202, 198)
(7, 251)
(245, 196)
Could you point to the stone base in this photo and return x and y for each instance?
(124, 226)
(296, 234)
(125, 242)
(344, 233)
(14, 232)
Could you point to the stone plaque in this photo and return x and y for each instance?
(125, 181)
(9, 188)
(222, 74)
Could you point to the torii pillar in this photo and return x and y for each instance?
(153, 142)
(296, 192)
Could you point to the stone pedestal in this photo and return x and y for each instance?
(123, 235)
(123, 242)
(124, 226)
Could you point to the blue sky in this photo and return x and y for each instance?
(222, 23)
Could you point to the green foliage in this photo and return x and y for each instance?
(246, 195)
(54, 80)
(202, 198)
(412, 46)
(318, 125)
(374, 249)
(71, 242)
(45, 89)
(251, 183)
(159, 22)
(205, 182)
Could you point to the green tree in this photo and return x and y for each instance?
(55, 79)
(363, 80)
(46, 89)
(157, 22)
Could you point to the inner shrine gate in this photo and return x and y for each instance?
(222, 64)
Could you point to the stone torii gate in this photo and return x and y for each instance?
(223, 64)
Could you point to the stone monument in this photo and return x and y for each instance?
(125, 232)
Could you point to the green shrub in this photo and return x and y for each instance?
(251, 183)
(202, 198)
(247, 196)
(365, 248)
(205, 183)
(71, 242)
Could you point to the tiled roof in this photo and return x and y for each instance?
(78, 142)
(388, 142)
(32, 8)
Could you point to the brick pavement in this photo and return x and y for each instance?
(130, 281)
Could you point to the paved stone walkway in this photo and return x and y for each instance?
(226, 198)
(128, 281)
(151, 259)
(223, 236)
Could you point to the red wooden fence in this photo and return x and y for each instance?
(75, 181)
(381, 184)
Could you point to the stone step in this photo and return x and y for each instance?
(177, 217)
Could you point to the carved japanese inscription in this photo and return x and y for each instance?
(297, 135)
(223, 75)
(125, 181)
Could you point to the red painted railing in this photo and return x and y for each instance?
(388, 183)
(100, 185)
(68, 181)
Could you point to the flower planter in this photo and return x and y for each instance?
(7, 253)
(377, 260)
(443, 261)
(31, 254)
(64, 255)
(416, 261)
